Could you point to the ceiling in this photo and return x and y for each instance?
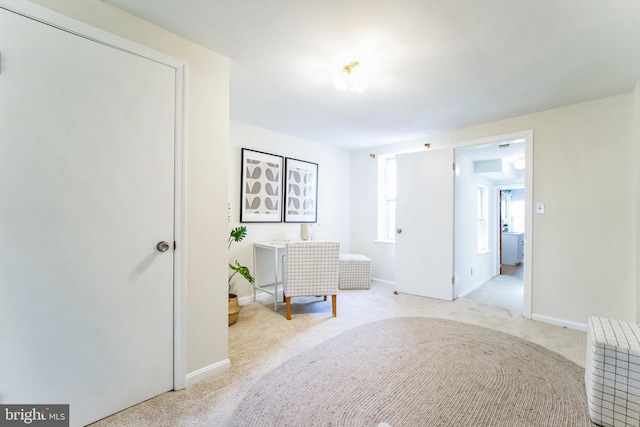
(433, 65)
(504, 150)
(506, 153)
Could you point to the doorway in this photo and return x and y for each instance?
(492, 200)
(506, 289)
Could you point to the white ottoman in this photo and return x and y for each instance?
(355, 272)
(612, 372)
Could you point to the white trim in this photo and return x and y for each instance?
(527, 135)
(206, 372)
(179, 234)
(636, 230)
(476, 286)
(262, 297)
(70, 25)
(64, 23)
(384, 282)
(559, 322)
(528, 225)
(492, 139)
(249, 299)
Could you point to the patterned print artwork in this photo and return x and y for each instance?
(263, 187)
(302, 190)
(261, 182)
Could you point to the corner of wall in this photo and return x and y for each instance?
(636, 138)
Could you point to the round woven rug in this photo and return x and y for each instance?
(418, 371)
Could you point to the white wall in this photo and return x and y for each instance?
(334, 195)
(471, 268)
(364, 226)
(584, 170)
(207, 114)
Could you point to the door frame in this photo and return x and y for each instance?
(527, 137)
(64, 23)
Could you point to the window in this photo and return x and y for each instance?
(483, 220)
(387, 198)
(517, 216)
(512, 210)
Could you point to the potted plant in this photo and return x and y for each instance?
(237, 235)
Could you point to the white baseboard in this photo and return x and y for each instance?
(386, 282)
(559, 322)
(260, 296)
(206, 372)
(265, 297)
(247, 300)
(474, 287)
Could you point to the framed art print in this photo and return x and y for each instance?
(261, 193)
(301, 191)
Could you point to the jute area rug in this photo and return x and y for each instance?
(419, 371)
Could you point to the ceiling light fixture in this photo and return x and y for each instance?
(351, 77)
(519, 163)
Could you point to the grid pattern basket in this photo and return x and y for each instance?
(355, 272)
(612, 372)
(311, 268)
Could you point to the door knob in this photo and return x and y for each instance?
(398, 230)
(163, 246)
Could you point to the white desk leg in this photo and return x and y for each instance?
(275, 279)
(255, 272)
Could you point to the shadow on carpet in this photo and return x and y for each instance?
(419, 371)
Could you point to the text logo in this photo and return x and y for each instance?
(34, 415)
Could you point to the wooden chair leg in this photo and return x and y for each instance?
(325, 297)
(333, 304)
(288, 301)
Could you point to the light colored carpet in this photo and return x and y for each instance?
(504, 291)
(418, 371)
(263, 339)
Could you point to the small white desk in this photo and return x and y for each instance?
(260, 250)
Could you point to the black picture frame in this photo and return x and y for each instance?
(261, 186)
(301, 191)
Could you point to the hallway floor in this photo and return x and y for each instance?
(505, 290)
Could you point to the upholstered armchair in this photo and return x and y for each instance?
(310, 268)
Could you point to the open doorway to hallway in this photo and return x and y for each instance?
(489, 256)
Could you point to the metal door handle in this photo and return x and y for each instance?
(398, 230)
(163, 246)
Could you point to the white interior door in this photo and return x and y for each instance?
(424, 221)
(86, 193)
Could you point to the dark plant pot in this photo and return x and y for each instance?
(234, 309)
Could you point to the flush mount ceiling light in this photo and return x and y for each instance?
(351, 77)
(519, 163)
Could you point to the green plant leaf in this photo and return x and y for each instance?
(237, 234)
(242, 270)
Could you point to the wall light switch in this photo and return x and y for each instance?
(540, 208)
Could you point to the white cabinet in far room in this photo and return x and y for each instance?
(512, 248)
